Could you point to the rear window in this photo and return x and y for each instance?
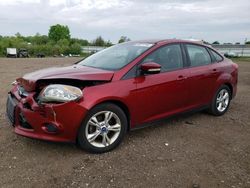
(198, 55)
(217, 57)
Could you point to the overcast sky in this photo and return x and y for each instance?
(223, 20)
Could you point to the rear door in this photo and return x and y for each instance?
(201, 77)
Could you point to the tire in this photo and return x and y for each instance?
(220, 105)
(93, 131)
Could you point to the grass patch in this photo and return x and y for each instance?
(240, 59)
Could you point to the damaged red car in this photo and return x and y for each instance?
(97, 100)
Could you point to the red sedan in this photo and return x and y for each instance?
(124, 87)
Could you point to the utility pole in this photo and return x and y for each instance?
(243, 46)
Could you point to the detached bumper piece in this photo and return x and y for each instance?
(10, 106)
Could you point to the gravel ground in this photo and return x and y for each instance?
(194, 150)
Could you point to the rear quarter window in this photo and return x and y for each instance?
(217, 56)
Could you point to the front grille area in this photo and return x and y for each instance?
(23, 122)
(10, 109)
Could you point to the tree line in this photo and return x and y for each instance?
(217, 42)
(58, 41)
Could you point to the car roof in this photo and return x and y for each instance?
(166, 41)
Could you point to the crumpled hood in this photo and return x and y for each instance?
(75, 72)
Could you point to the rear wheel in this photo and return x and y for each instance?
(221, 101)
(103, 128)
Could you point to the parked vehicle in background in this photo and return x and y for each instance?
(75, 55)
(231, 54)
(40, 55)
(124, 87)
(23, 53)
(11, 52)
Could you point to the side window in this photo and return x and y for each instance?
(169, 57)
(217, 57)
(198, 55)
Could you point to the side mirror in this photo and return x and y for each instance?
(150, 68)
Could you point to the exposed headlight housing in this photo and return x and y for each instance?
(60, 93)
(14, 83)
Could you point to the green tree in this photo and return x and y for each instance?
(99, 41)
(216, 42)
(18, 35)
(82, 42)
(248, 42)
(39, 39)
(108, 43)
(123, 39)
(75, 49)
(58, 43)
(58, 32)
(56, 50)
(63, 42)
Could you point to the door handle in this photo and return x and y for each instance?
(181, 77)
(214, 71)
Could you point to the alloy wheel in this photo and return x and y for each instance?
(222, 100)
(103, 129)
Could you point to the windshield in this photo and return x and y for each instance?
(116, 57)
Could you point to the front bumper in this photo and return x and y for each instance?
(52, 122)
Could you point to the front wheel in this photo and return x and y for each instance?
(103, 128)
(221, 101)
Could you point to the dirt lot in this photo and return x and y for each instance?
(195, 150)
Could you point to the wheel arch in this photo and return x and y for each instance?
(230, 87)
(120, 104)
(113, 101)
(225, 79)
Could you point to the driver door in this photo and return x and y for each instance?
(165, 93)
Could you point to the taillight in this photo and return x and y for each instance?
(236, 66)
(235, 72)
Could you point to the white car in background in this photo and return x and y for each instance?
(231, 54)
